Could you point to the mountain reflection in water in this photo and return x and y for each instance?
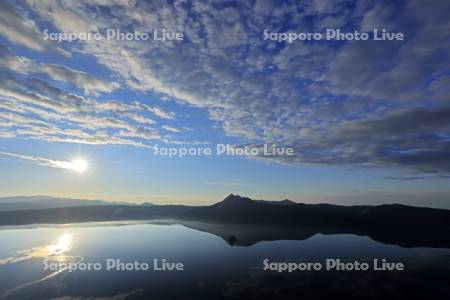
(221, 262)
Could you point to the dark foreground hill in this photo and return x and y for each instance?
(396, 224)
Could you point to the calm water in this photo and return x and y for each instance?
(213, 269)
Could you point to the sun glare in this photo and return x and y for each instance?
(64, 242)
(79, 165)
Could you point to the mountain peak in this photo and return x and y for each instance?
(287, 202)
(236, 197)
(232, 199)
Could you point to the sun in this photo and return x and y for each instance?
(79, 165)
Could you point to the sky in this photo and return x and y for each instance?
(368, 121)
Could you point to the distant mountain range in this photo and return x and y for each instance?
(44, 202)
(395, 224)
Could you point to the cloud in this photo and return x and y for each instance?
(408, 178)
(185, 128)
(42, 161)
(357, 103)
(33, 107)
(414, 140)
(80, 79)
(161, 113)
(20, 30)
(157, 111)
(70, 126)
(6, 134)
(170, 128)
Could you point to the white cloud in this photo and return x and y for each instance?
(34, 109)
(20, 30)
(258, 90)
(42, 161)
(6, 134)
(170, 128)
(80, 79)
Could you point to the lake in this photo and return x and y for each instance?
(118, 260)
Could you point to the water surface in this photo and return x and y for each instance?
(213, 268)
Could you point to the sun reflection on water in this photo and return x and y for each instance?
(55, 251)
(64, 244)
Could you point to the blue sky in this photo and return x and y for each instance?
(369, 121)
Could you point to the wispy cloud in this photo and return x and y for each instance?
(82, 80)
(298, 94)
(18, 29)
(409, 178)
(359, 103)
(35, 108)
(42, 161)
(170, 128)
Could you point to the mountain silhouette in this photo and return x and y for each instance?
(243, 221)
(234, 200)
(43, 202)
(282, 202)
